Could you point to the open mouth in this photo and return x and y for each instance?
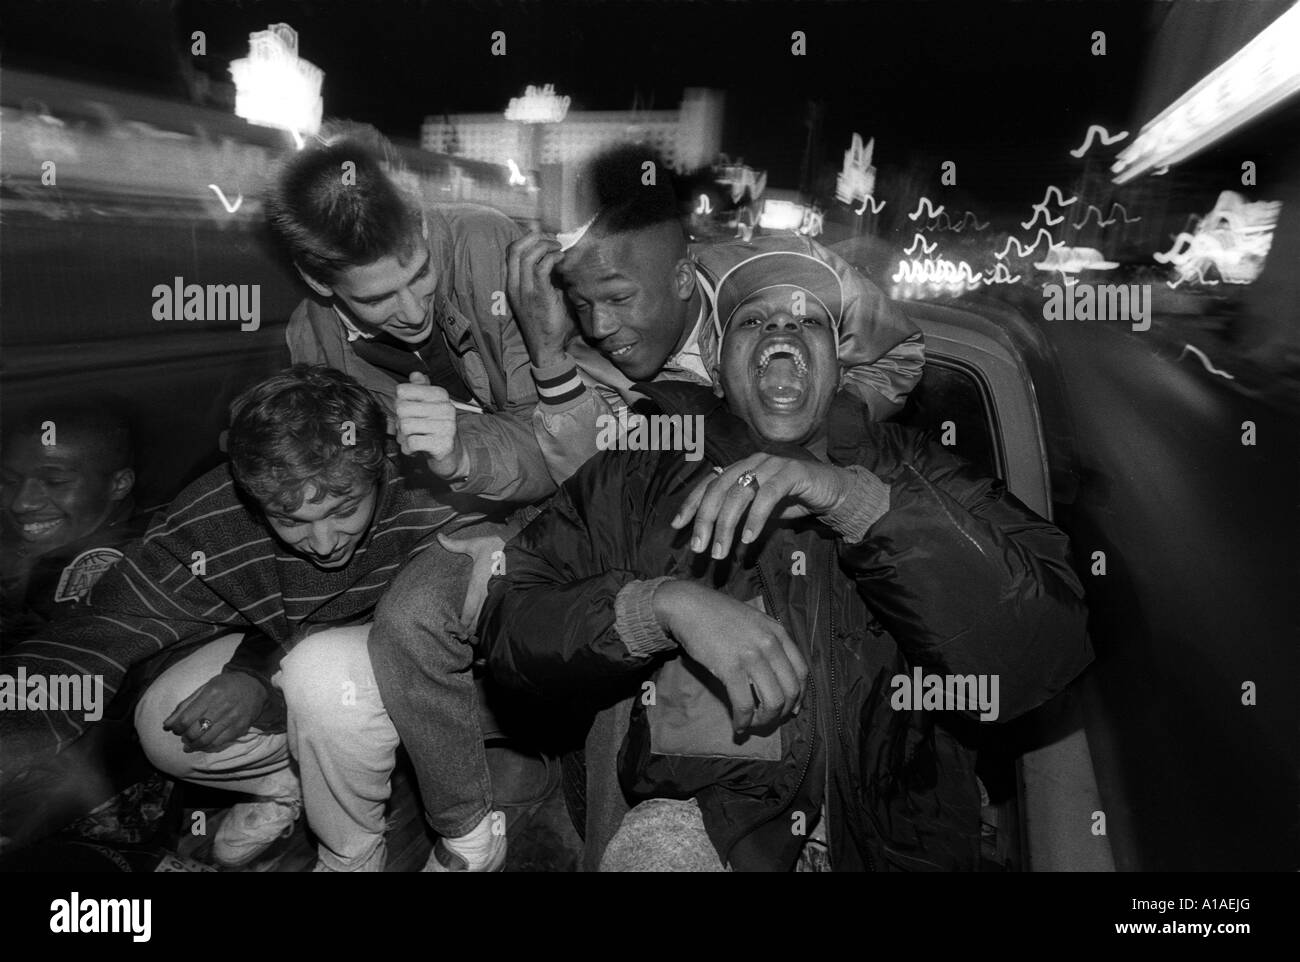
(621, 351)
(781, 373)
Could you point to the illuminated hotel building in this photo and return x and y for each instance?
(539, 134)
(686, 138)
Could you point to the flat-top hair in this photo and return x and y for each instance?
(335, 204)
(620, 199)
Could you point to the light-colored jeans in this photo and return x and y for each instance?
(423, 657)
(338, 732)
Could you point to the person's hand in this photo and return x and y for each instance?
(230, 702)
(793, 488)
(749, 652)
(426, 421)
(538, 305)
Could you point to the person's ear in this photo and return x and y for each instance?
(324, 290)
(684, 279)
(120, 484)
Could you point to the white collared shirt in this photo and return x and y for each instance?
(689, 359)
(354, 332)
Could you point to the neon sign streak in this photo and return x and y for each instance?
(1047, 217)
(1123, 213)
(1001, 275)
(1022, 250)
(230, 208)
(1205, 361)
(1107, 221)
(937, 270)
(704, 206)
(1092, 209)
(1260, 75)
(926, 249)
(1060, 198)
(923, 205)
(1106, 138)
(516, 177)
(868, 200)
(1200, 279)
(971, 218)
(1177, 250)
(1041, 208)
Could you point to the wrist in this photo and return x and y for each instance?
(667, 598)
(636, 622)
(452, 466)
(841, 488)
(549, 355)
(865, 502)
(250, 679)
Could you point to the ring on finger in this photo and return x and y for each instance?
(747, 480)
(204, 725)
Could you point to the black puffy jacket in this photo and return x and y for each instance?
(958, 577)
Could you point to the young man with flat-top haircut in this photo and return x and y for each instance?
(406, 294)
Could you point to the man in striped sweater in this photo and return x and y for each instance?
(245, 611)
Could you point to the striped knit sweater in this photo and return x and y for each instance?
(159, 597)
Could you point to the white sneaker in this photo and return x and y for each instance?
(481, 850)
(252, 827)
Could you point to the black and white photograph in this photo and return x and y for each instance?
(653, 436)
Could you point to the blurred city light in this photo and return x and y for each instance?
(739, 178)
(781, 215)
(1233, 239)
(857, 179)
(1257, 77)
(538, 105)
(274, 87)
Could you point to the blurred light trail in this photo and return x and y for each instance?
(1258, 77)
(923, 205)
(1106, 138)
(230, 208)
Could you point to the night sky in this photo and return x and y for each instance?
(952, 79)
(1002, 89)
